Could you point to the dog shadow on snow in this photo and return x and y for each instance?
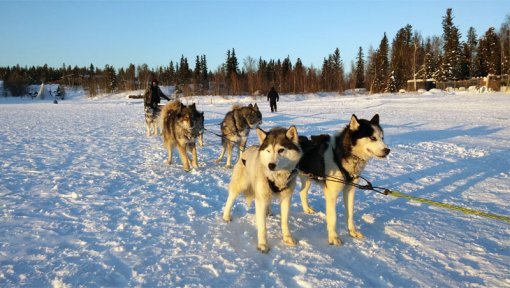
(417, 136)
(292, 118)
(464, 172)
(456, 180)
(455, 177)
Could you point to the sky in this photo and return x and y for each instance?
(117, 33)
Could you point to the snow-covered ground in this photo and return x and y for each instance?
(86, 199)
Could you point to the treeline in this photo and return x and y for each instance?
(386, 68)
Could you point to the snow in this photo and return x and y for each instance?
(86, 199)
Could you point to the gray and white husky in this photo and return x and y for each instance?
(264, 172)
(235, 128)
(182, 125)
(152, 124)
(340, 158)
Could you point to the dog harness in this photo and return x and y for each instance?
(276, 189)
(359, 163)
(235, 123)
(271, 183)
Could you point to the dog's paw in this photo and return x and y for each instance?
(335, 241)
(356, 234)
(289, 240)
(169, 162)
(228, 166)
(309, 210)
(263, 248)
(227, 218)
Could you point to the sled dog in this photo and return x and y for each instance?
(181, 126)
(265, 172)
(199, 128)
(235, 128)
(343, 157)
(151, 120)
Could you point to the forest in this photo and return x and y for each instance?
(386, 68)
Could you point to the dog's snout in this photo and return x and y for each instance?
(271, 166)
(387, 151)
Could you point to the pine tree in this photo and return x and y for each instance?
(391, 87)
(286, 75)
(205, 73)
(380, 66)
(130, 77)
(111, 79)
(488, 58)
(464, 64)
(402, 57)
(197, 74)
(450, 65)
(232, 70)
(493, 50)
(429, 65)
(183, 72)
(470, 50)
(505, 49)
(172, 77)
(299, 76)
(360, 70)
(338, 71)
(332, 73)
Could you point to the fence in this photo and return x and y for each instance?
(491, 82)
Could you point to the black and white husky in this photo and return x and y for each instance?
(340, 159)
(264, 172)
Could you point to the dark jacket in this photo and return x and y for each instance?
(273, 95)
(153, 96)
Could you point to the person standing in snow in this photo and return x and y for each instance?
(153, 96)
(273, 97)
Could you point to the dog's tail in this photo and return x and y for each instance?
(236, 106)
(171, 106)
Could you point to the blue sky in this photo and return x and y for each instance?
(119, 32)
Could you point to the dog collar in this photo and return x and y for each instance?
(276, 189)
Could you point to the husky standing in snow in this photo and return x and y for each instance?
(235, 128)
(181, 126)
(340, 158)
(151, 124)
(264, 172)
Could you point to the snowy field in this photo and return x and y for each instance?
(86, 199)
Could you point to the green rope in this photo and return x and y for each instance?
(448, 206)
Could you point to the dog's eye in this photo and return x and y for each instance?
(373, 138)
(281, 150)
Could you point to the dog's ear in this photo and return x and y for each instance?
(375, 119)
(354, 124)
(256, 107)
(192, 106)
(292, 134)
(250, 106)
(262, 135)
